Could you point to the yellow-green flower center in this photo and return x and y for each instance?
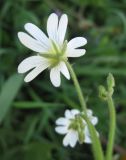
(56, 53)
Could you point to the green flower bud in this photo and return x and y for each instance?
(110, 81)
(111, 84)
(102, 92)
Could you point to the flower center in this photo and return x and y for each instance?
(78, 125)
(56, 54)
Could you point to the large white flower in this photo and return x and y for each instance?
(74, 127)
(51, 51)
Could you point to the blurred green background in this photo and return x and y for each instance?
(28, 111)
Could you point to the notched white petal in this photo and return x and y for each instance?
(66, 140)
(55, 76)
(52, 26)
(89, 112)
(29, 42)
(35, 72)
(75, 52)
(62, 121)
(37, 34)
(68, 114)
(30, 63)
(77, 42)
(70, 139)
(87, 140)
(75, 112)
(87, 135)
(61, 129)
(64, 70)
(62, 28)
(74, 138)
(94, 120)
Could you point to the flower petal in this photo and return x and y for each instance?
(76, 42)
(74, 138)
(62, 121)
(89, 112)
(62, 28)
(55, 76)
(94, 120)
(87, 135)
(66, 140)
(75, 52)
(30, 63)
(29, 42)
(87, 140)
(61, 129)
(70, 139)
(35, 72)
(68, 114)
(64, 70)
(52, 25)
(86, 131)
(37, 34)
(75, 112)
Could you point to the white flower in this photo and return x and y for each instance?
(51, 51)
(74, 127)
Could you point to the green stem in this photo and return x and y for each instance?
(96, 145)
(112, 127)
(77, 86)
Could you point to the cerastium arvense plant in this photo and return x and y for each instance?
(53, 53)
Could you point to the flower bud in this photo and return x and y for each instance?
(102, 92)
(110, 81)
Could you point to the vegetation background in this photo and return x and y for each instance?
(28, 111)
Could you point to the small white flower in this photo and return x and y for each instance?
(51, 51)
(74, 127)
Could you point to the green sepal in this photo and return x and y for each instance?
(81, 136)
(47, 55)
(64, 47)
(55, 47)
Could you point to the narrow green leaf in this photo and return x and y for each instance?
(8, 93)
(32, 104)
(31, 129)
